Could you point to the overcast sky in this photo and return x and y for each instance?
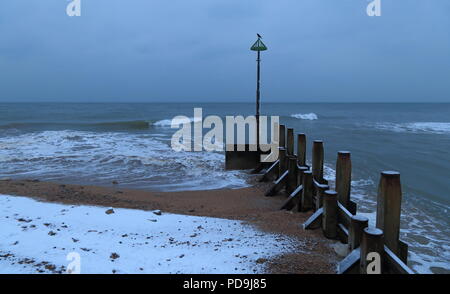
(198, 50)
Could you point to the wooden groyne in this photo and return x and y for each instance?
(334, 212)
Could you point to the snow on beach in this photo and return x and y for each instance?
(37, 237)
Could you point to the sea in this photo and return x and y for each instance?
(98, 143)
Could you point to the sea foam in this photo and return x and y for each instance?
(417, 127)
(134, 160)
(178, 121)
(305, 116)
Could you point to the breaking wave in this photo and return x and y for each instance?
(306, 116)
(168, 122)
(98, 158)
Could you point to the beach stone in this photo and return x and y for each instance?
(261, 260)
(157, 212)
(114, 256)
(109, 211)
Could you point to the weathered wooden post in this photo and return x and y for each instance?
(343, 177)
(306, 202)
(290, 141)
(330, 214)
(300, 171)
(291, 183)
(301, 149)
(389, 209)
(282, 165)
(357, 225)
(371, 242)
(317, 161)
(282, 136)
(319, 195)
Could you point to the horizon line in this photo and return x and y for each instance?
(228, 102)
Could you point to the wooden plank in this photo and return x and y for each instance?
(352, 207)
(260, 167)
(350, 264)
(319, 185)
(314, 221)
(395, 264)
(344, 216)
(342, 233)
(278, 185)
(293, 199)
(271, 173)
(318, 198)
(403, 251)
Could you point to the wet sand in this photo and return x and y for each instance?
(248, 204)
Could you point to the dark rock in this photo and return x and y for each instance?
(114, 256)
(109, 211)
(261, 260)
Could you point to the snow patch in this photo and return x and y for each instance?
(37, 237)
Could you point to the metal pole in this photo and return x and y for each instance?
(258, 75)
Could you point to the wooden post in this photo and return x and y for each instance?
(317, 161)
(330, 214)
(357, 225)
(290, 141)
(319, 195)
(389, 203)
(282, 165)
(282, 136)
(300, 171)
(306, 200)
(372, 241)
(291, 183)
(343, 177)
(301, 149)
